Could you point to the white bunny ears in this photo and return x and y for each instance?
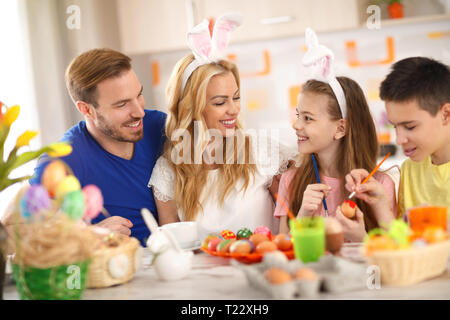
(321, 61)
(205, 49)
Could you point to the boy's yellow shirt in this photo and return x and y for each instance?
(423, 183)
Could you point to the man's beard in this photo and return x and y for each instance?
(114, 133)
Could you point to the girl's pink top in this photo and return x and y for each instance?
(335, 197)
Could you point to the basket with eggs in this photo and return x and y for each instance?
(408, 254)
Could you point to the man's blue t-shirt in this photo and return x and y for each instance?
(123, 182)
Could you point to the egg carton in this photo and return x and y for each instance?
(335, 275)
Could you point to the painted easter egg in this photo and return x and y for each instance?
(212, 245)
(266, 246)
(257, 238)
(67, 185)
(242, 246)
(263, 230)
(224, 246)
(93, 201)
(53, 173)
(243, 233)
(380, 242)
(283, 242)
(35, 199)
(228, 234)
(348, 208)
(207, 239)
(434, 234)
(73, 204)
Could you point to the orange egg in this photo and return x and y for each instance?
(434, 234)
(54, 173)
(305, 274)
(282, 242)
(266, 246)
(348, 208)
(277, 276)
(257, 238)
(379, 242)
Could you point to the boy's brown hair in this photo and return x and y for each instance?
(87, 70)
(418, 78)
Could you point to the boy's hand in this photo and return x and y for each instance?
(354, 229)
(371, 192)
(312, 199)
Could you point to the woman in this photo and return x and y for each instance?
(229, 194)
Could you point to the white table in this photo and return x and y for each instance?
(213, 278)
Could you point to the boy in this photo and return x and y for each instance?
(417, 97)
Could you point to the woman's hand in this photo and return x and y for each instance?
(354, 229)
(312, 199)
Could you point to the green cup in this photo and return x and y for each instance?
(309, 238)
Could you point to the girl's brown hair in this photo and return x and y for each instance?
(358, 148)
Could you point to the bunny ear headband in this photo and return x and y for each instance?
(321, 61)
(205, 49)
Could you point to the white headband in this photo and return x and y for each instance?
(321, 61)
(205, 49)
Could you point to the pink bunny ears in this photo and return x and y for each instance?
(321, 61)
(206, 49)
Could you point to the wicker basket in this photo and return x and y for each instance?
(410, 266)
(112, 265)
(55, 283)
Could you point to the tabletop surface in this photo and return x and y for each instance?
(214, 278)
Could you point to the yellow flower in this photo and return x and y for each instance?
(11, 115)
(24, 138)
(59, 149)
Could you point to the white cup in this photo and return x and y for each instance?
(184, 232)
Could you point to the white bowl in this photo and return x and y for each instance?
(184, 232)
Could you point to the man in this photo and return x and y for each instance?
(118, 143)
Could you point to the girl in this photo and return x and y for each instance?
(340, 145)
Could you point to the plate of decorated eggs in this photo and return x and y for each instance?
(247, 246)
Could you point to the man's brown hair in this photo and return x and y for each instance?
(87, 70)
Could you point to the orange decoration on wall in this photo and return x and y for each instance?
(438, 35)
(352, 55)
(293, 96)
(155, 73)
(266, 70)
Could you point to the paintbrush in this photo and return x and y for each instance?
(371, 174)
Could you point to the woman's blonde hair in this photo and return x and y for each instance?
(184, 109)
(358, 148)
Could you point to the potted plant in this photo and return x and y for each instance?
(395, 9)
(8, 115)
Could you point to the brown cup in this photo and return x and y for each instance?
(334, 242)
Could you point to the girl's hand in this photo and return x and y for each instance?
(354, 229)
(312, 199)
(371, 192)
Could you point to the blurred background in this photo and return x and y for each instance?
(39, 38)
